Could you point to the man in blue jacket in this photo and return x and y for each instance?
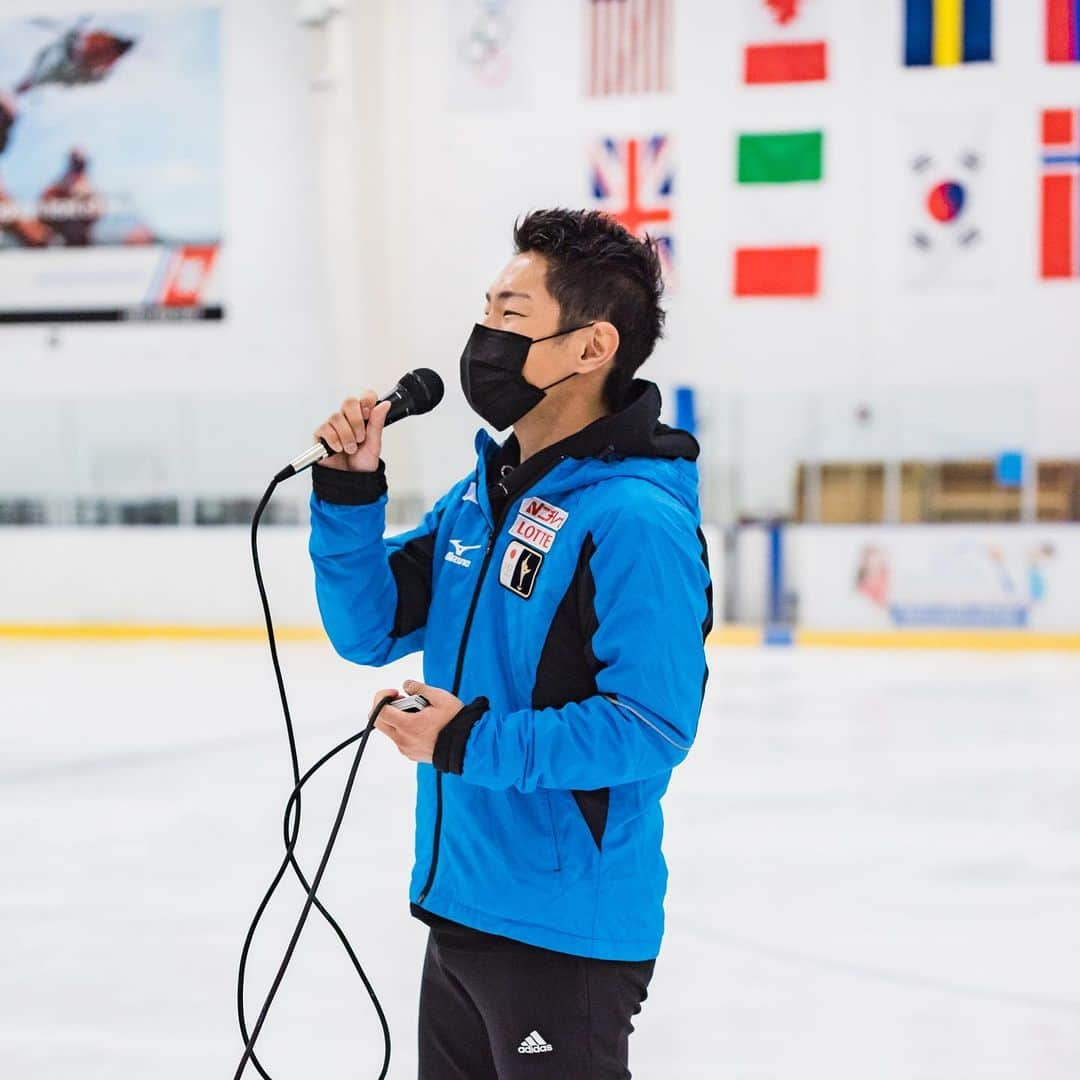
(560, 593)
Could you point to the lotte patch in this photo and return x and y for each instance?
(520, 565)
(533, 533)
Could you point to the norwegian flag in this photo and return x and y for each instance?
(629, 47)
(1060, 193)
(633, 180)
(1062, 31)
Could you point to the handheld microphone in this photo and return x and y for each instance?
(417, 392)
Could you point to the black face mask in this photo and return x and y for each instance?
(491, 374)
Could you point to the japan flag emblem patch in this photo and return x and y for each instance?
(520, 565)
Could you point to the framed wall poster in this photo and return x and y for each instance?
(110, 167)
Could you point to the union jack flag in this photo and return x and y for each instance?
(633, 180)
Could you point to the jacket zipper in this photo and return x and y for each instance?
(497, 524)
(457, 683)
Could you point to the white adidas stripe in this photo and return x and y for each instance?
(534, 1043)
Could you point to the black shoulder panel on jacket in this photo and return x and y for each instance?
(567, 669)
(707, 625)
(411, 567)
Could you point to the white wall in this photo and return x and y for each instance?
(364, 222)
(465, 175)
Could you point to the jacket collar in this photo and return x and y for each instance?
(632, 431)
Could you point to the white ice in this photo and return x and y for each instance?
(874, 868)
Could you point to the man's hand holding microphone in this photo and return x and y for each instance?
(360, 422)
(354, 433)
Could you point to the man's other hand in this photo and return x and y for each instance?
(414, 734)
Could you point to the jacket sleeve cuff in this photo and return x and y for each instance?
(348, 488)
(449, 752)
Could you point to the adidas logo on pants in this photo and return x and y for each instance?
(534, 1043)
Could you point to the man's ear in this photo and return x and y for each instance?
(600, 346)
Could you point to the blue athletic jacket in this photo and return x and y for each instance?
(571, 618)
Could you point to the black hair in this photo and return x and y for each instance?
(597, 269)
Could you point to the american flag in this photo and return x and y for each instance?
(633, 181)
(629, 46)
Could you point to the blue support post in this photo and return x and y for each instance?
(685, 410)
(777, 631)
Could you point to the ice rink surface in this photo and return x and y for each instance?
(874, 868)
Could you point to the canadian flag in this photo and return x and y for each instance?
(785, 42)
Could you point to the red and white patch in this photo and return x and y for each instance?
(532, 532)
(554, 517)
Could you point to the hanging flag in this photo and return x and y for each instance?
(629, 46)
(1060, 193)
(946, 32)
(786, 42)
(780, 213)
(633, 181)
(1063, 31)
(781, 158)
(777, 271)
(946, 242)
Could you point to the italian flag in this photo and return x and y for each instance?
(776, 160)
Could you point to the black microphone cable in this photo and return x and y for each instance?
(291, 831)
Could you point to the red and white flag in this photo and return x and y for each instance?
(1060, 193)
(785, 42)
(629, 46)
(778, 271)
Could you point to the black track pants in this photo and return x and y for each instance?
(496, 1009)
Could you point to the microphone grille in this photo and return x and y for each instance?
(426, 389)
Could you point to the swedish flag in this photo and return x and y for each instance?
(946, 32)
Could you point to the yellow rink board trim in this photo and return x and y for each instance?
(977, 640)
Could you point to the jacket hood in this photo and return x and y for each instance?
(628, 442)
